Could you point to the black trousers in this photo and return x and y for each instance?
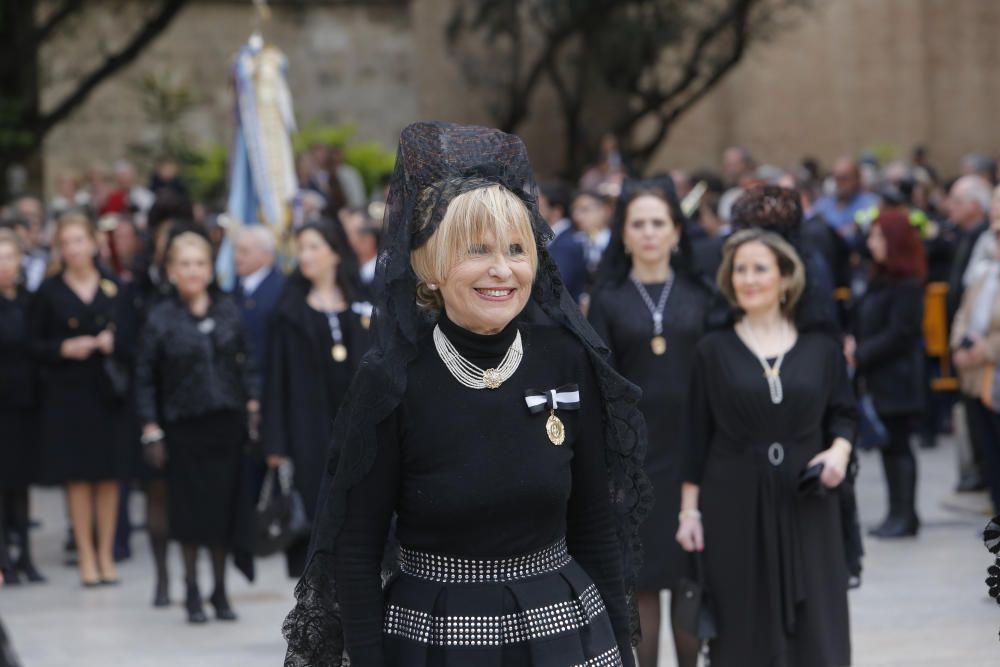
(984, 425)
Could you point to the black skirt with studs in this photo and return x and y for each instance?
(540, 609)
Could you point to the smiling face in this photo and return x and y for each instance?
(757, 280)
(480, 262)
(650, 234)
(489, 286)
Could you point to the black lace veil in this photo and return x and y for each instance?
(436, 162)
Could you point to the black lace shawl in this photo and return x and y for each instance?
(435, 162)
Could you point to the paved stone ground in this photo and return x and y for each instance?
(923, 602)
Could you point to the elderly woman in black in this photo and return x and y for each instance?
(772, 420)
(194, 394)
(651, 311)
(487, 419)
(85, 436)
(318, 325)
(18, 417)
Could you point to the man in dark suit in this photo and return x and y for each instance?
(565, 247)
(258, 289)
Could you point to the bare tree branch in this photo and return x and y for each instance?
(115, 62)
(66, 10)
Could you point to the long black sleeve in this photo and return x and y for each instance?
(701, 422)
(590, 524)
(841, 418)
(359, 548)
(147, 363)
(274, 393)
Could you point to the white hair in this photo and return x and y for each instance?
(975, 189)
(261, 234)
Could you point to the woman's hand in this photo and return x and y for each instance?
(275, 460)
(78, 348)
(835, 460)
(105, 342)
(850, 347)
(690, 534)
(253, 420)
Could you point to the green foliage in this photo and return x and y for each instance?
(206, 173)
(315, 133)
(369, 158)
(374, 162)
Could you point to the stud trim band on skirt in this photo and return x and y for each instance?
(502, 630)
(610, 658)
(449, 570)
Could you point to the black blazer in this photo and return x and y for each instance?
(256, 309)
(567, 252)
(888, 325)
(188, 367)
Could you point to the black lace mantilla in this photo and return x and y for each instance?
(434, 163)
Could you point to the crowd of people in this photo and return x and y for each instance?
(774, 320)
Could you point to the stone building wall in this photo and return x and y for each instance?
(348, 63)
(850, 75)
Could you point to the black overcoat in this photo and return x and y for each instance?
(305, 385)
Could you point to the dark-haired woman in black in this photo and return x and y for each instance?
(319, 326)
(18, 392)
(651, 314)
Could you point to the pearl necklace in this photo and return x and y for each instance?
(473, 376)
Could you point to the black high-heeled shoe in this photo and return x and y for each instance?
(195, 612)
(223, 610)
(10, 576)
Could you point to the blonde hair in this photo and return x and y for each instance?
(188, 240)
(471, 216)
(10, 237)
(64, 222)
(789, 266)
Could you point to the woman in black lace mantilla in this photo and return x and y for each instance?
(488, 420)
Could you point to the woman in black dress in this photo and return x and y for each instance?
(651, 313)
(194, 394)
(18, 414)
(494, 429)
(769, 403)
(886, 349)
(318, 325)
(84, 430)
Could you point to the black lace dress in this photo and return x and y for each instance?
(509, 554)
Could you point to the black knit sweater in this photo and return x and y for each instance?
(472, 474)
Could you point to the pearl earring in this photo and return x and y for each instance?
(432, 286)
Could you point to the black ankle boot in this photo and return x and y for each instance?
(901, 477)
(223, 610)
(30, 572)
(195, 612)
(161, 597)
(10, 576)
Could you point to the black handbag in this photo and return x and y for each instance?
(281, 515)
(116, 377)
(692, 611)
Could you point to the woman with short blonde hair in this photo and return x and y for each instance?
(195, 397)
(486, 419)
